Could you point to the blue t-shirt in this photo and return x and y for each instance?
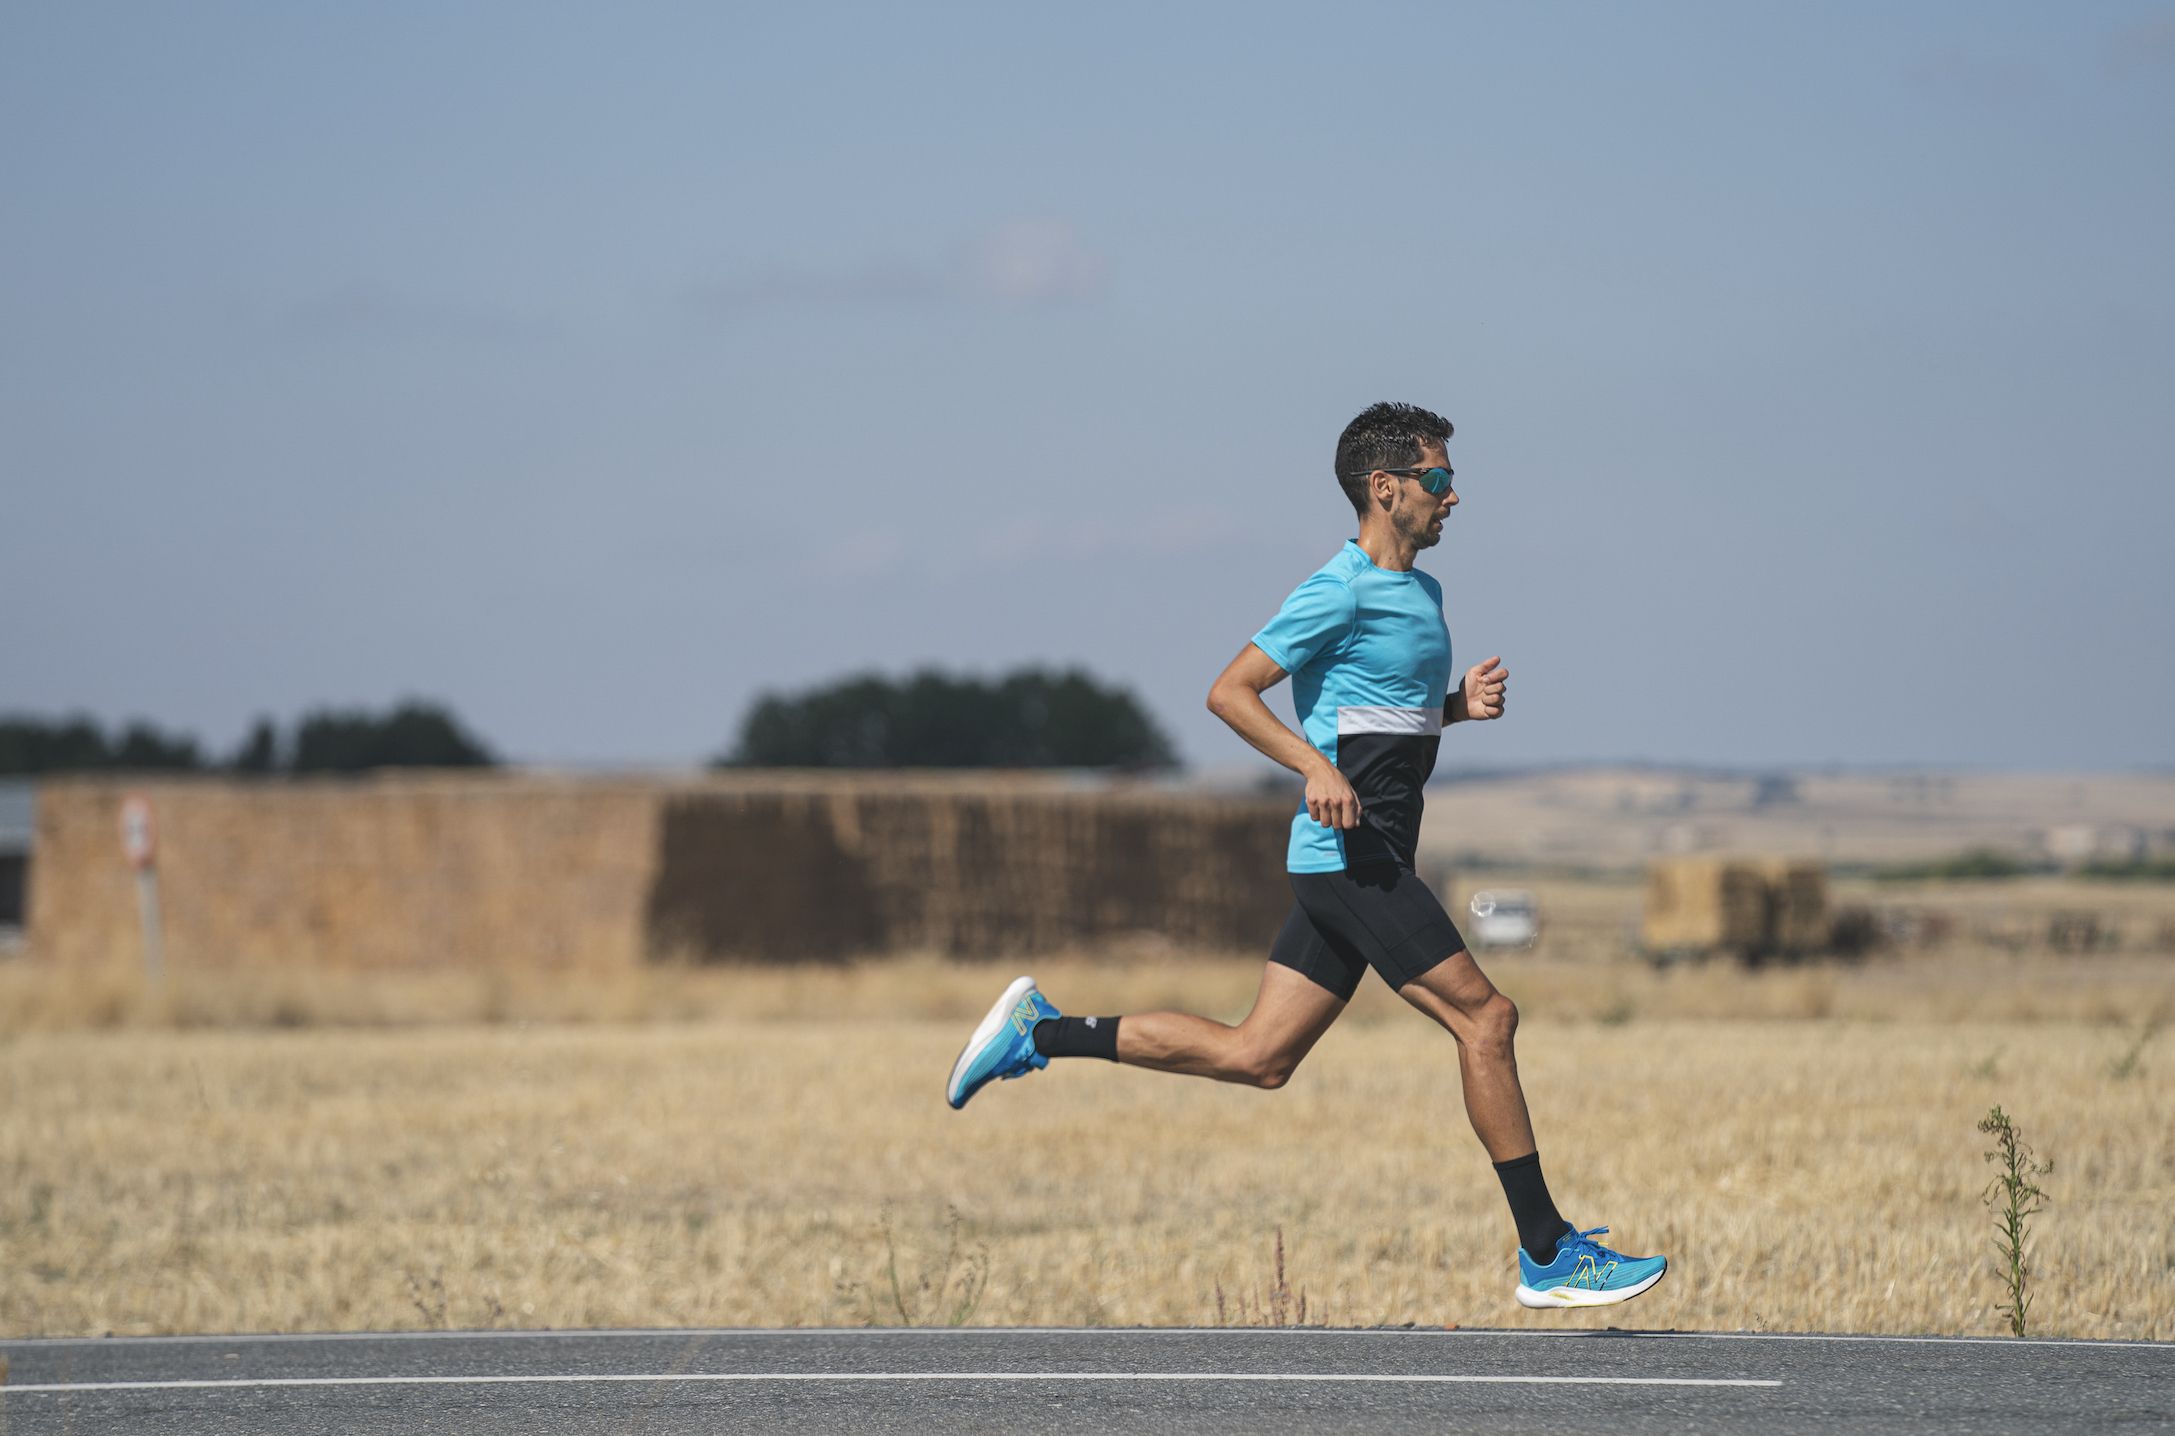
(1369, 658)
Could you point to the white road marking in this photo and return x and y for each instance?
(554, 1379)
(667, 1333)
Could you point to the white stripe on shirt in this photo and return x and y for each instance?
(1418, 721)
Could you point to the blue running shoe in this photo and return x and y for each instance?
(1004, 1045)
(1585, 1273)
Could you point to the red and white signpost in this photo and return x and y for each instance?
(140, 841)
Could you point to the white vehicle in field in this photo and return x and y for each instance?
(1505, 917)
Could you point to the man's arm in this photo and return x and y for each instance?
(1479, 694)
(1235, 697)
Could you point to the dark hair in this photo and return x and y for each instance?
(1384, 436)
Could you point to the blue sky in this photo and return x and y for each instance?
(597, 368)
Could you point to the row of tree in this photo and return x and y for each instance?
(1030, 718)
(331, 740)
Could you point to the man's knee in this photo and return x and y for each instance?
(1266, 1068)
(1495, 1024)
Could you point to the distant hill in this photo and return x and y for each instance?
(1619, 816)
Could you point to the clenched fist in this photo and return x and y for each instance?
(1482, 690)
(1330, 799)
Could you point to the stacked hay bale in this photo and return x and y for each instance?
(1751, 908)
(419, 871)
(413, 871)
(1704, 904)
(1798, 906)
(828, 870)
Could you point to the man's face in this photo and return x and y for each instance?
(1415, 513)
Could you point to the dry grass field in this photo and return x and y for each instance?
(771, 1147)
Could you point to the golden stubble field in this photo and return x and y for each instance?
(772, 1148)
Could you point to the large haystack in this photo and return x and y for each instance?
(1749, 907)
(423, 870)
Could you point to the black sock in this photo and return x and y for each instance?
(1539, 1223)
(1078, 1037)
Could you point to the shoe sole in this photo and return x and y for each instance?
(990, 1026)
(1563, 1298)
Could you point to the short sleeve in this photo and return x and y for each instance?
(1312, 621)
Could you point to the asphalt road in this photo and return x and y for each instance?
(1017, 1380)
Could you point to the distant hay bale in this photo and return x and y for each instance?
(423, 871)
(1797, 894)
(1704, 905)
(1750, 907)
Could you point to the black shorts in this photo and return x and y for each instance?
(1379, 916)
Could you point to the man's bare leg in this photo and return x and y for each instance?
(1558, 1266)
(1290, 1014)
(1457, 994)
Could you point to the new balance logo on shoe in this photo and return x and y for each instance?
(1585, 1274)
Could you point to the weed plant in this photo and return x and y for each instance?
(2016, 1198)
(943, 1291)
(1279, 1306)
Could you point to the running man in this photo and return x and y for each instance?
(1365, 644)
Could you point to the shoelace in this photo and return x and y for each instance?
(1586, 1239)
